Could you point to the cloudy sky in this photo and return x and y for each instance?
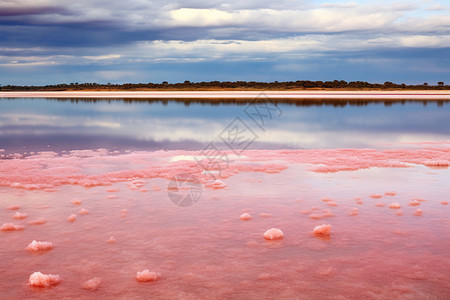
(63, 41)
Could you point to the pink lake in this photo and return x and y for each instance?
(108, 216)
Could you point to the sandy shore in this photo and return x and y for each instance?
(382, 95)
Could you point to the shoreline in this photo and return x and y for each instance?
(380, 95)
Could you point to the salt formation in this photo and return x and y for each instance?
(218, 184)
(414, 203)
(38, 221)
(315, 216)
(444, 202)
(379, 204)
(11, 227)
(354, 212)
(273, 234)
(13, 207)
(111, 240)
(265, 215)
(376, 196)
(331, 203)
(83, 211)
(72, 218)
(19, 216)
(245, 217)
(146, 275)
(390, 194)
(418, 212)
(35, 246)
(92, 284)
(42, 280)
(394, 205)
(322, 229)
(76, 202)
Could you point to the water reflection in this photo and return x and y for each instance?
(66, 124)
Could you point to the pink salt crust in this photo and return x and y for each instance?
(46, 170)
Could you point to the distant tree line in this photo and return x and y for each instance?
(229, 85)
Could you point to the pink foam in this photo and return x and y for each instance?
(83, 211)
(35, 246)
(19, 216)
(418, 212)
(146, 275)
(273, 234)
(42, 280)
(11, 227)
(72, 218)
(376, 196)
(38, 221)
(394, 205)
(245, 217)
(324, 229)
(92, 284)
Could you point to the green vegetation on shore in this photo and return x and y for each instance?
(228, 85)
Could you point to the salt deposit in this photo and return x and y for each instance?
(42, 280)
(418, 212)
(414, 203)
(273, 234)
(19, 216)
(38, 221)
(92, 284)
(390, 194)
(245, 217)
(322, 229)
(376, 196)
(76, 201)
(394, 205)
(11, 227)
(72, 218)
(13, 207)
(36, 246)
(83, 211)
(218, 184)
(146, 275)
(354, 212)
(111, 240)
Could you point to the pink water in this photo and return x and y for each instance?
(108, 217)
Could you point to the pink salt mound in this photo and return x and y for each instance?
(390, 193)
(376, 196)
(38, 221)
(42, 280)
(92, 284)
(273, 234)
(444, 202)
(379, 204)
(11, 227)
(394, 205)
(19, 216)
(245, 217)
(72, 218)
(111, 240)
(418, 212)
(414, 203)
(354, 212)
(76, 202)
(315, 216)
(322, 229)
(146, 275)
(218, 184)
(13, 207)
(83, 211)
(265, 215)
(35, 246)
(331, 203)
(399, 212)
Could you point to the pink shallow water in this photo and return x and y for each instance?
(207, 251)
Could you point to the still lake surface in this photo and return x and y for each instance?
(92, 176)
